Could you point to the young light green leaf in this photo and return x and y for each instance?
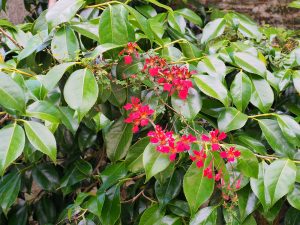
(12, 96)
(114, 26)
(118, 139)
(197, 188)
(240, 90)
(81, 91)
(279, 178)
(262, 95)
(64, 44)
(41, 138)
(275, 137)
(250, 63)
(12, 142)
(231, 119)
(189, 107)
(213, 29)
(154, 161)
(213, 88)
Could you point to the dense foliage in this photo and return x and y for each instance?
(137, 113)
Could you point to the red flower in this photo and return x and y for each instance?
(127, 59)
(214, 138)
(230, 154)
(199, 157)
(154, 71)
(139, 114)
(208, 172)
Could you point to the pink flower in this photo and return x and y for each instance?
(214, 138)
(127, 59)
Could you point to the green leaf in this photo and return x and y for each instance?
(46, 176)
(262, 95)
(101, 121)
(88, 28)
(44, 110)
(294, 197)
(213, 29)
(36, 89)
(290, 129)
(118, 95)
(205, 216)
(64, 44)
(95, 204)
(247, 202)
(111, 175)
(179, 208)
(251, 143)
(213, 67)
(275, 137)
(240, 90)
(154, 161)
(197, 188)
(190, 15)
(247, 162)
(250, 63)
(118, 139)
(213, 88)
(12, 95)
(12, 142)
(294, 4)
(54, 75)
(9, 190)
(81, 91)
(41, 138)
(190, 107)
(176, 21)
(296, 80)
(63, 11)
(151, 215)
(169, 189)
(258, 186)
(292, 217)
(134, 158)
(279, 178)
(114, 26)
(170, 220)
(231, 119)
(112, 207)
(68, 119)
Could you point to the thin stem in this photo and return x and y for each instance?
(261, 115)
(17, 71)
(11, 38)
(171, 43)
(187, 61)
(103, 4)
(134, 198)
(270, 157)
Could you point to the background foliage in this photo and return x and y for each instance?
(66, 155)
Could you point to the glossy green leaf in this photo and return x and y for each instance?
(250, 63)
(247, 202)
(190, 15)
(95, 204)
(64, 44)
(112, 207)
(12, 95)
(81, 91)
(63, 11)
(179, 208)
(294, 197)
(279, 178)
(197, 188)
(118, 95)
(292, 216)
(275, 137)
(46, 176)
(190, 107)
(134, 158)
(251, 143)
(213, 88)
(118, 139)
(213, 29)
(151, 215)
(114, 26)
(247, 162)
(54, 75)
(154, 161)
(88, 29)
(231, 119)
(68, 119)
(290, 129)
(240, 90)
(44, 110)
(296, 80)
(12, 142)
(262, 95)
(213, 67)
(205, 216)
(41, 138)
(37, 91)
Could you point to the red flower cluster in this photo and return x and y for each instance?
(214, 139)
(167, 143)
(172, 78)
(139, 114)
(129, 50)
(230, 154)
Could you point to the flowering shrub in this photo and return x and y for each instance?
(139, 113)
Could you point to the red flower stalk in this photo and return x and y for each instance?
(230, 154)
(214, 139)
(128, 51)
(139, 114)
(199, 157)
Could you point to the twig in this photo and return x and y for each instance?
(10, 38)
(134, 198)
